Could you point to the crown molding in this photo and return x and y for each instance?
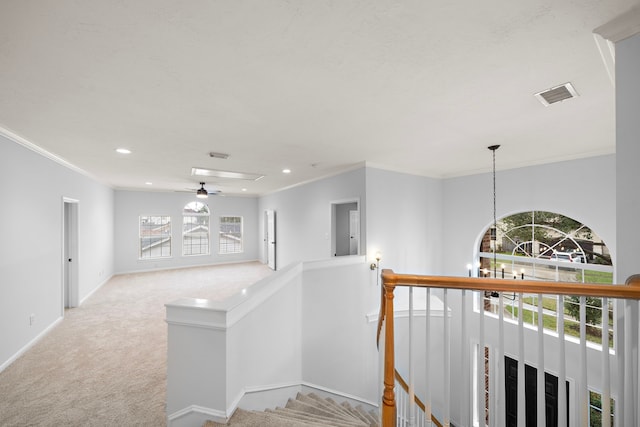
(621, 27)
(14, 137)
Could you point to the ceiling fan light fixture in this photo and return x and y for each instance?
(202, 193)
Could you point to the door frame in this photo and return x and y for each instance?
(334, 204)
(270, 238)
(69, 292)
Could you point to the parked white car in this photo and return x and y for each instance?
(569, 257)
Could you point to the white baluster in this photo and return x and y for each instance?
(480, 362)
(411, 402)
(541, 390)
(606, 375)
(583, 394)
(427, 396)
(464, 366)
(521, 397)
(447, 363)
(500, 386)
(562, 371)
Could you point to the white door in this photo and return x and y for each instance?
(70, 254)
(270, 238)
(354, 232)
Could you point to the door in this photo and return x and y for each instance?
(531, 396)
(345, 228)
(270, 238)
(70, 292)
(354, 232)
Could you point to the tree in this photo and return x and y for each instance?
(593, 309)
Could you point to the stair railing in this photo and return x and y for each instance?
(628, 387)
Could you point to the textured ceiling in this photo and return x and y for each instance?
(316, 86)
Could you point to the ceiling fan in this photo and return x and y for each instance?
(203, 193)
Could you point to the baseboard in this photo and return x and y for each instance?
(195, 415)
(30, 344)
(259, 398)
(181, 267)
(94, 290)
(338, 395)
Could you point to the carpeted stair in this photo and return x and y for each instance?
(307, 410)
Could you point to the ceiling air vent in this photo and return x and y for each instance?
(556, 94)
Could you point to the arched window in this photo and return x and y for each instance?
(195, 229)
(539, 245)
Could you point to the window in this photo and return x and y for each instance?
(155, 237)
(548, 246)
(595, 409)
(230, 234)
(195, 229)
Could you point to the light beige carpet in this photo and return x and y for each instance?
(307, 410)
(105, 363)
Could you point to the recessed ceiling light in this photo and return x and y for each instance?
(149, 183)
(286, 170)
(123, 150)
(244, 189)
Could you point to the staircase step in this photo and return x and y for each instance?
(317, 400)
(306, 410)
(303, 416)
(317, 410)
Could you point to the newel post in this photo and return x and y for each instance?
(389, 396)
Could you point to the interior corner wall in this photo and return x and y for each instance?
(303, 216)
(32, 188)
(628, 156)
(404, 221)
(130, 205)
(468, 202)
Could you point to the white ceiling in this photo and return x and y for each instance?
(316, 86)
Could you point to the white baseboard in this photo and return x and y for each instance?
(86, 297)
(30, 344)
(195, 416)
(258, 399)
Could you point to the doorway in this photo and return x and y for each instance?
(345, 228)
(70, 291)
(270, 238)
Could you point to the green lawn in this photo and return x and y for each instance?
(571, 327)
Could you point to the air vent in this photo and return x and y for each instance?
(556, 94)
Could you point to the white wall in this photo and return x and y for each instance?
(468, 202)
(404, 221)
(628, 156)
(32, 188)
(339, 349)
(130, 205)
(628, 204)
(303, 216)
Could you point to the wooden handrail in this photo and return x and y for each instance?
(405, 387)
(630, 290)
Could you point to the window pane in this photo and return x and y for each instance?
(195, 229)
(155, 237)
(230, 235)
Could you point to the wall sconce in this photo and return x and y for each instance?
(376, 265)
(469, 268)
